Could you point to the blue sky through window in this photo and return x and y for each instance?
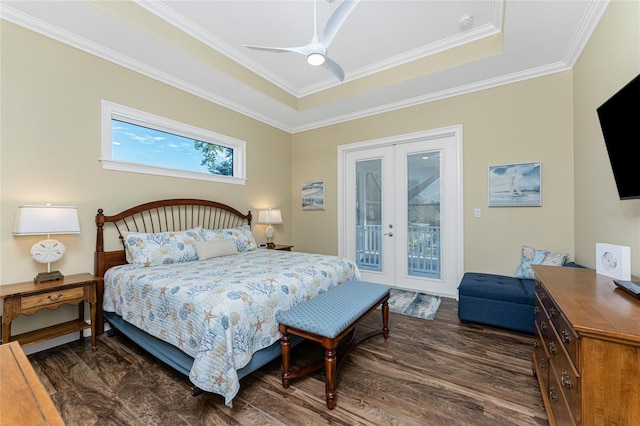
(138, 144)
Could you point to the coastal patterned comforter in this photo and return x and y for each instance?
(222, 310)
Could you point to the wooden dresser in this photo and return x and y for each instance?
(23, 398)
(587, 348)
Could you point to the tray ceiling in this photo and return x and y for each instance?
(395, 53)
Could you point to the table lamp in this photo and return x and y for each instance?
(47, 220)
(270, 217)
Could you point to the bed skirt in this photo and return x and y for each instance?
(182, 362)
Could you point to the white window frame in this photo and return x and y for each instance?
(111, 111)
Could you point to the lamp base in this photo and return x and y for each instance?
(44, 277)
(271, 245)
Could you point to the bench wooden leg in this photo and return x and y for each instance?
(385, 318)
(285, 345)
(330, 376)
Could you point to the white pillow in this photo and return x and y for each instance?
(214, 248)
(555, 259)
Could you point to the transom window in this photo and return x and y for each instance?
(136, 141)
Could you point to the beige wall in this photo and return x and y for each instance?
(51, 143)
(609, 61)
(523, 122)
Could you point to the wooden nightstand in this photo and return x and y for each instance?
(283, 247)
(28, 298)
(23, 398)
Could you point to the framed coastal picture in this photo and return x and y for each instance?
(515, 185)
(313, 195)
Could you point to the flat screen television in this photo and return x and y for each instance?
(620, 121)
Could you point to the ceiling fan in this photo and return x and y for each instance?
(316, 51)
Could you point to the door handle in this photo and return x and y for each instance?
(389, 234)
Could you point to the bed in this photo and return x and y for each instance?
(187, 282)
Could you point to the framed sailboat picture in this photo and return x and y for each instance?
(313, 195)
(515, 185)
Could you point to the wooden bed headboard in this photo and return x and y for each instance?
(178, 214)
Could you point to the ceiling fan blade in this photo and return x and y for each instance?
(334, 68)
(301, 49)
(336, 20)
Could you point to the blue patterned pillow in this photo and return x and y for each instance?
(160, 248)
(242, 236)
(529, 256)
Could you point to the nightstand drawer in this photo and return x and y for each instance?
(54, 298)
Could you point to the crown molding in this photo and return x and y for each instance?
(586, 28)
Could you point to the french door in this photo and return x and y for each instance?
(400, 210)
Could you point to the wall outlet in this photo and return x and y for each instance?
(476, 212)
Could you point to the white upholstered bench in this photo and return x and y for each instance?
(327, 319)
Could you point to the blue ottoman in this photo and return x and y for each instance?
(497, 300)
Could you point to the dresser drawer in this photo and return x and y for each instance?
(543, 323)
(562, 414)
(541, 357)
(546, 301)
(568, 337)
(566, 375)
(53, 298)
(567, 334)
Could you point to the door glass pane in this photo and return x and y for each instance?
(368, 212)
(423, 213)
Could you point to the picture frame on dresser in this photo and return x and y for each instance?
(613, 261)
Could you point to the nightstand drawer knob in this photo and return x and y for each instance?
(55, 297)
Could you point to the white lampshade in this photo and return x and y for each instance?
(46, 220)
(270, 217)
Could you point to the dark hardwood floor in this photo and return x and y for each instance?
(439, 372)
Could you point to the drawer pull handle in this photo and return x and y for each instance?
(55, 297)
(543, 296)
(536, 310)
(543, 325)
(566, 382)
(553, 394)
(552, 348)
(552, 312)
(566, 338)
(543, 364)
(536, 344)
